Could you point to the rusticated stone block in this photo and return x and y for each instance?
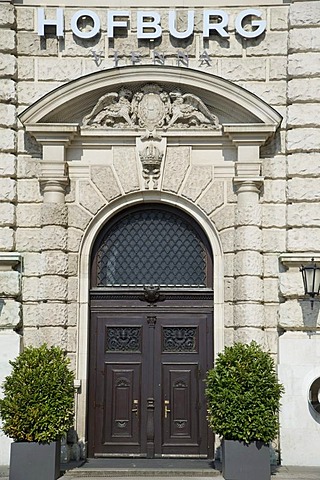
(227, 240)
(304, 189)
(72, 314)
(223, 47)
(8, 65)
(298, 315)
(6, 239)
(249, 315)
(198, 179)
(6, 215)
(228, 337)
(303, 240)
(291, 284)
(53, 238)
(7, 90)
(72, 264)
(309, 41)
(25, 18)
(29, 191)
(271, 265)
(7, 140)
(53, 287)
(89, 198)
(29, 92)
(213, 198)
(54, 263)
(303, 139)
(275, 167)
(9, 283)
(274, 191)
(73, 285)
(7, 165)
(26, 70)
(248, 238)
(72, 339)
(304, 90)
(304, 14)
(247, 334)
(31, 289)
(104, 179)
(27, 167)
(304, 115)
(245, 69)
(59, 69)
(52, 336)
(39, 46)
(78, 217)
(7, 17)
(248, 288)
(74, 239)
(271, 290)
(10, 314)
(7, 115)
(304, 64)
(228, 289)
(304, 164)
(54, 214)
(278, 68)
(228, 315)
(28, 215)
(274, 215)
(32, 265)
(271, 342)
(176, 164)
(274, 93)
(271, 315)
(248, 263)
(248, 215)
(304, 214)
(124, 161)
(224, 217)
(274, 240)
(45, 314)
(279, 18)
(229, 264)
(28, 239)
(274, 43)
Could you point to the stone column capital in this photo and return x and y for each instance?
(53, 189)
(248, 185)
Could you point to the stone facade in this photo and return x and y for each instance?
(254, 183)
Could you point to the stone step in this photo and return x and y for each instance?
(138, 472)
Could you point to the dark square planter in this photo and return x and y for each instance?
(34, 461)
(245, 461)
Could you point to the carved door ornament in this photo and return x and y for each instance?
(150, 108)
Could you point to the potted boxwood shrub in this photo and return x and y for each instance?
(36, 411)
(243, 397)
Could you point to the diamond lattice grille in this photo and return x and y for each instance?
(152, 247)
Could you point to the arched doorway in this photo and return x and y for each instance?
(151, 335)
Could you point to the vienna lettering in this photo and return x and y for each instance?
(214, 22)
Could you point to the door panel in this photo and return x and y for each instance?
(147, 390)
(122, 399)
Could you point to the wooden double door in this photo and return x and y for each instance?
(147, 370)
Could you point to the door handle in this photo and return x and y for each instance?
(135, 408)
(166, 408)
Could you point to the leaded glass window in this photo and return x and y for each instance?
(152, 246)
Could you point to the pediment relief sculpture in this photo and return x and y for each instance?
(150, 108)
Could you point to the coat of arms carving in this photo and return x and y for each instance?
(150, 108)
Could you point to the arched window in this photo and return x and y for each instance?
(152, 245)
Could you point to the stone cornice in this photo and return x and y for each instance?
(298, 259)
(52, 134)
(9, 260)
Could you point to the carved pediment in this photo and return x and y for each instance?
(151, 107)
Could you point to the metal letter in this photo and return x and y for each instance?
(85, 13)
(172, 28)
(158, 58)
(261, 24)
(182, 58)
(112, 23)
(57, 22)
(153, 24)
(205, 58)
(219, 27)
(135, 58)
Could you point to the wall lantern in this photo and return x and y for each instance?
(311, 280)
